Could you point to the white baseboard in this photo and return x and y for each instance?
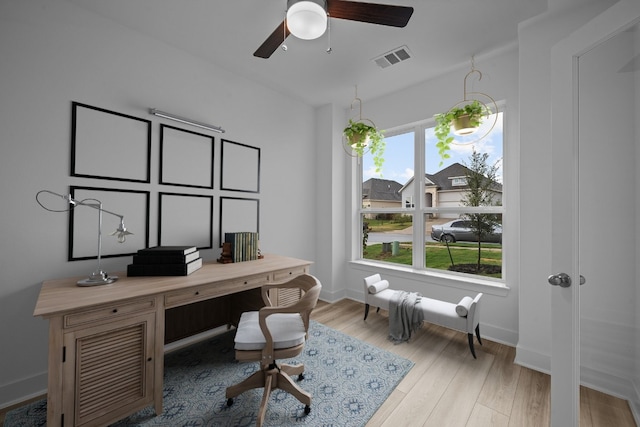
(613, 385)
(20, 391)
(499, 335)
(607, 383)
(533, 360)
(635, 411)
(634, 403)
(332, 297)
(601, 381)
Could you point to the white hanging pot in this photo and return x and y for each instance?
(462, 125)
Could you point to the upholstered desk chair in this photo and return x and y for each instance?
(275, 332)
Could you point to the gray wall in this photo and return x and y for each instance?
(52, 54)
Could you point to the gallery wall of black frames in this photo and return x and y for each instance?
(117, 148)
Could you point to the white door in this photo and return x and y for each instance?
(568, 124)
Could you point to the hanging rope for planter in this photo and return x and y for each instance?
(357, 145)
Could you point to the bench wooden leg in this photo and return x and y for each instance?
(366, 311)
(473, 352)
(470, 336)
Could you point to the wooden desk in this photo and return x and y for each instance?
(106, 343)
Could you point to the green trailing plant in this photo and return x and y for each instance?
(362, 137)
(475, 110)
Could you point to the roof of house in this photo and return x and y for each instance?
(381, 189)
(443, 179)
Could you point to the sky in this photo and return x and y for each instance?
(399, 160)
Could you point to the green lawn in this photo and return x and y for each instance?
(437, 255)
(382, 225)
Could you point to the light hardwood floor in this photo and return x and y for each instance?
(448, 387)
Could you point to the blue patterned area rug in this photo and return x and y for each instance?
(348, 379)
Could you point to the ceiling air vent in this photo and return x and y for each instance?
(393, 57)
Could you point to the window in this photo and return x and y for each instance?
(387, 220)
(450, 220)
(459, 181)
(408, 202)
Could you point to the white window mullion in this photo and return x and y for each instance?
(419, 197)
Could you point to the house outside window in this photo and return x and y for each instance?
(413, 228)
(408, 202)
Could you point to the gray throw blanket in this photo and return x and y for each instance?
(405, 315)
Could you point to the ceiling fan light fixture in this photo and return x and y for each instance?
(307, 19)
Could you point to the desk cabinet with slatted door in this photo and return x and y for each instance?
(106, 343)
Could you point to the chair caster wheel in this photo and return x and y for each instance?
(300, 377)
(307, 409)
(230, 401)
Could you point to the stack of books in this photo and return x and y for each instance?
(244, 245)
(165, 261)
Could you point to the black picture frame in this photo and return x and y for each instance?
(186, 158)
(238, 214)
(182, 219)
(83, 222)
(109, 145)
(240, 167)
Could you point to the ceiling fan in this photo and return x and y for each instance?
(307, 19)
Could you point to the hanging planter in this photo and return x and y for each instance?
(467, 124)
(462, 119)
(361, 137)
(357, 134)
(462, 125)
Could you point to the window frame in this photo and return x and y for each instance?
(420, 210)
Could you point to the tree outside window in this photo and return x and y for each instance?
(482, 191)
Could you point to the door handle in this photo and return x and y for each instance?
(562, 279)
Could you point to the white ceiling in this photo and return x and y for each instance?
(441, 35)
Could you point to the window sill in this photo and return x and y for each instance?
(488, 286)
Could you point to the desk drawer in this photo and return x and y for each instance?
(188, 296)
(281, 275)
(201, 293)
(108, 312)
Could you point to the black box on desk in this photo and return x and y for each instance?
(165, 261)
(164, 269)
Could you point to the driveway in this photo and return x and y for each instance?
(404, 235)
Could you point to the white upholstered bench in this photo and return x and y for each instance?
(463, 317)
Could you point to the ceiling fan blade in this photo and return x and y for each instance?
(382, 14)
(272, 42)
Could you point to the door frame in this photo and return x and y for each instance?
(565, 301)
